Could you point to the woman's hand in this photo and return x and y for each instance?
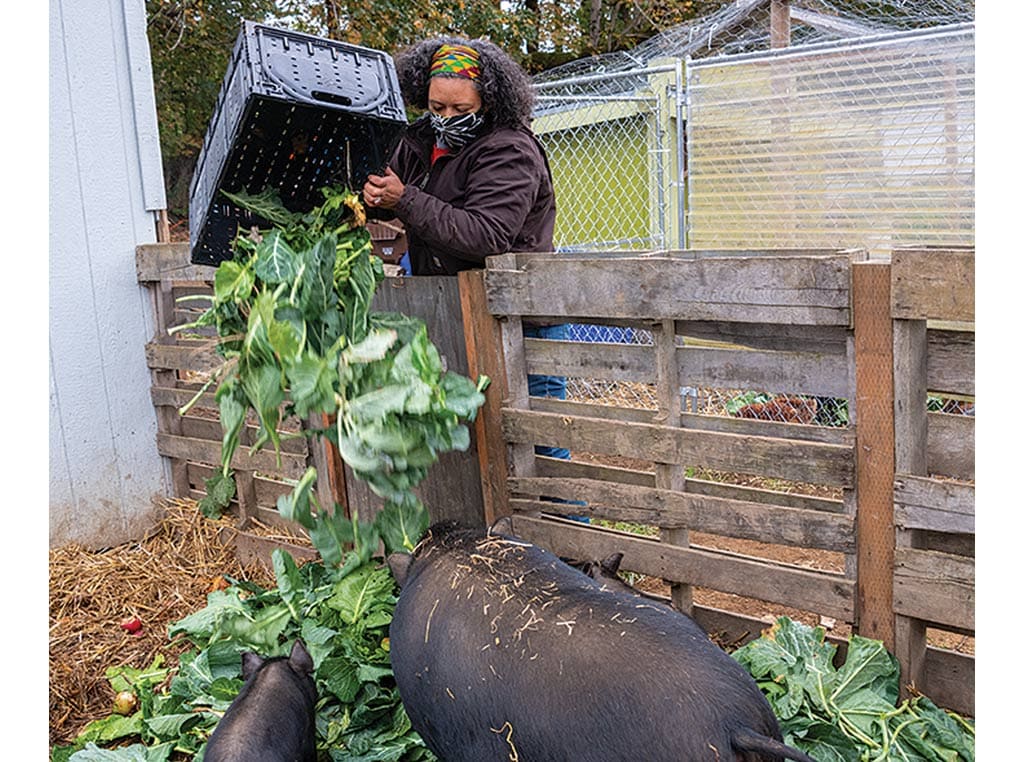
(383, 190)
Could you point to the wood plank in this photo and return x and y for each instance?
(787, 290)
(206, 451)
(815, 373)
(484, 358)
(555, 468)
(951, 446)
(825, 593)
(873, 347)
(168, 261)
(210, 430)
(933, 284)
(934, 504)
(950, 679)
(195, 356)
(254, 549)
(793, 338)
(810, 462)
(165, 396)
(698, 421)
(951, 362)
(666, 508)
(934, 587)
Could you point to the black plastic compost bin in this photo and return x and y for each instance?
(295, 112)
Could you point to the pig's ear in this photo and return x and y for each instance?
(611, 563)
(300, 660)
(501, 526)
(399, 564)
(250, 663)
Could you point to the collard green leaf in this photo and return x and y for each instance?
(360, 592)
(262, 386)
(312, 380)
(869, 671)
(374, 346)
(133, 753)
(233, 281)
(402, 524)
(275, 260)
(267, 204)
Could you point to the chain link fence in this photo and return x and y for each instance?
(625, 146)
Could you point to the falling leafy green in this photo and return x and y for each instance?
(292, 312)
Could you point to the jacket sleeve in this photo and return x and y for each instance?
(501, 188)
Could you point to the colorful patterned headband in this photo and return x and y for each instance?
(456, 60)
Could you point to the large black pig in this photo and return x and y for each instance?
(273, 717)
(501, 651)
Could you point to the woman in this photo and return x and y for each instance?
(469, 179)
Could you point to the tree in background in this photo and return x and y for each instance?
(191, 42)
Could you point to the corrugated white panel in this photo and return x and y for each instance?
(867, 144)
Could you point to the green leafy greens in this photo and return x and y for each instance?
(341, 613)
(292, 313)
(849, 714)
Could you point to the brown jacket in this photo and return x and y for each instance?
(493, 196)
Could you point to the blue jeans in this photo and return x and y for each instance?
(548, 386)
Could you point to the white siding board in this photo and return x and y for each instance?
(104, 467)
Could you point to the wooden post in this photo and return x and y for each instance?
(910, 363)
(780, 24)
(666, 475)
(484, 357)
(872, 327)
(168, 419)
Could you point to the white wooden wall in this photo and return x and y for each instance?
(106, 185)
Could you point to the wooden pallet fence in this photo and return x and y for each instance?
(180, 363)
(933, 576)
(729, 299)
(807, 323)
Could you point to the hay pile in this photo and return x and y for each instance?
(160, 579)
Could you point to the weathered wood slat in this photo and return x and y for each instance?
(703, 513)
(815, 373)
(810, 462)
(164, 396)
(207, 451)
(209, 429)
(951, 362)
(792, 338)
(197, 356)
(951, 445)
(168, 261)
(825, 593)
(553, 467)
(934, 504)
(934, 587)
(950, 680)
(698, 422)
(933, 284)
(787, 290)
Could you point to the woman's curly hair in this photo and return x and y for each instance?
(504, 87)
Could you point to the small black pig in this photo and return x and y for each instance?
(272, 719)
(502, 651)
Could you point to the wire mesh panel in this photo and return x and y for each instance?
(864, 144)
(610, 160)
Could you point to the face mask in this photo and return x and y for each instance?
(455, 131)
